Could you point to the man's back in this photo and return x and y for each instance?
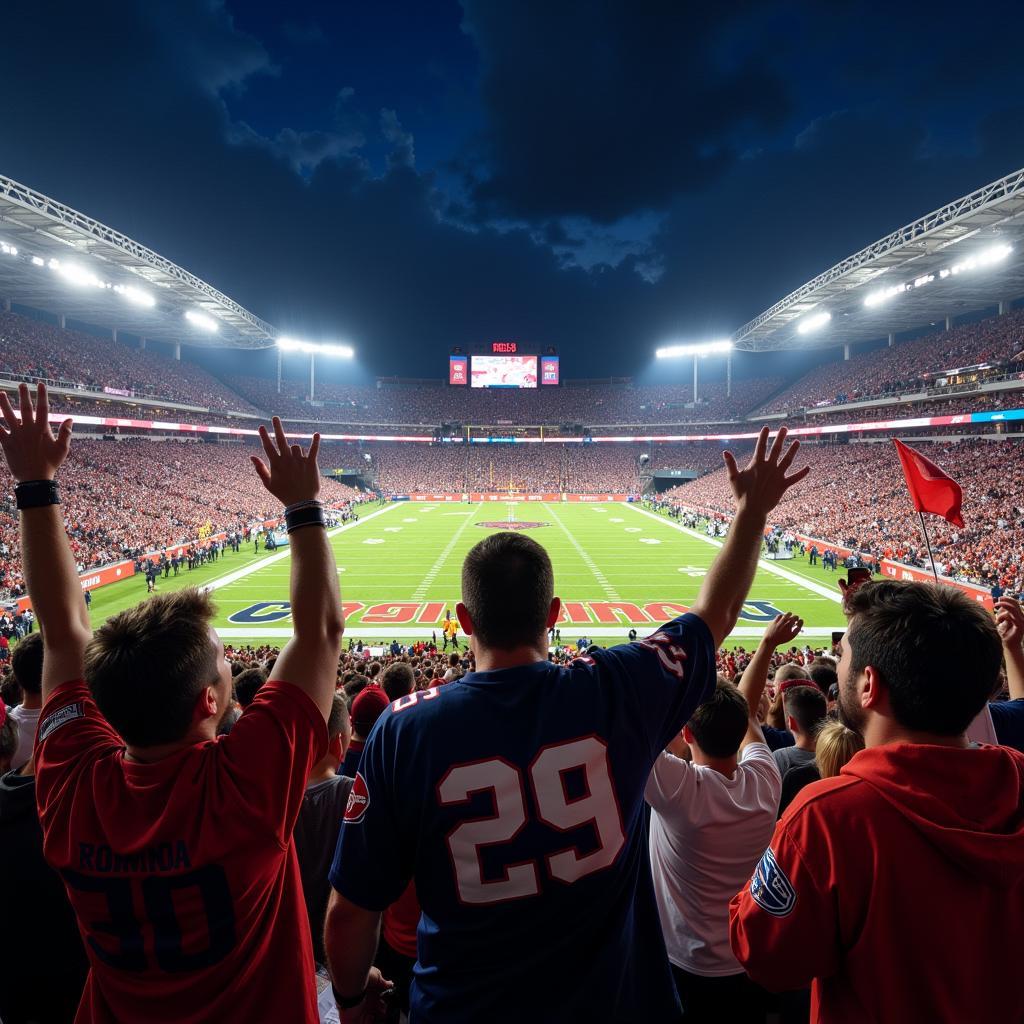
(515, 797)
(707, 833)
(182, 872)
(902, 882)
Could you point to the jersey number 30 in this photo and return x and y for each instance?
(597, 807)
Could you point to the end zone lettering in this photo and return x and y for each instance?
(429, 613)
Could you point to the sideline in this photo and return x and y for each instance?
(762, 563)
(247, 570)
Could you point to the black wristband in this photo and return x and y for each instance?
(347, 1002)
(312, 516)
(36, 493)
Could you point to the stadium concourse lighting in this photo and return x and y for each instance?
(813, 322)
(201, 320)
(314, 349)
(702, 348)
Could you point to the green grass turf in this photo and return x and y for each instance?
(411, 554)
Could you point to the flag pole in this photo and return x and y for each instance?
(928, 545)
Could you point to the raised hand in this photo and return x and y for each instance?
(288, 474)
(31, 450)
(1010, 621)
(760, 486)
(783, 630)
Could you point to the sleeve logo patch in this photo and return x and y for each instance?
(51, 723)
(771, 890)
(358, 801)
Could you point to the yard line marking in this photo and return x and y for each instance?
(421, 591)
(248, 570)
(762, 563)
(610, 591)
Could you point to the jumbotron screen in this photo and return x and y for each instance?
(503, 371)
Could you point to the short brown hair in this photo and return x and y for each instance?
(720, 723)
(27, 663)
(147, 666)
(397, 680)
(807, 705)
(937, 652)
(338, 720)
(507, 587)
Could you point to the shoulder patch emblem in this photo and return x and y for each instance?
(771, 890)
(52, 722)
(358, 801)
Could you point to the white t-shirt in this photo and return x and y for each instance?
(26, 720)
(707, 834)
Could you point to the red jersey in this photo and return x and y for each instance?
(401, 920)
(898, 887)
(183, 873)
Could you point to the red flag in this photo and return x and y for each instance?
(930, 489)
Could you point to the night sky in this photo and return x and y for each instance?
(602, 177)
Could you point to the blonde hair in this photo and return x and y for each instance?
(835, 744)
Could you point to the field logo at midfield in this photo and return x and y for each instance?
(510, 524)
(429, 613)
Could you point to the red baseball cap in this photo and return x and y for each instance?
(368, 706)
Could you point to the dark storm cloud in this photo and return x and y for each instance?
(603, 110)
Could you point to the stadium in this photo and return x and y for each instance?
(286, 850)
(622, 483)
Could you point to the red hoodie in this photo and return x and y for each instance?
(898, 887)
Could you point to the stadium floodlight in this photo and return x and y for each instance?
(135, 295)
(315, 348)
(201, 320)
(76, 275)
(38, 261)
(985, 258)
(813, 322)
(702, 348)
(876, 298)
(8, 250)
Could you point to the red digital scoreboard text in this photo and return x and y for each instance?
(504, 348)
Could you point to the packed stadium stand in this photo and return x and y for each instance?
(123, 499)
(907, 366)
(856, 496)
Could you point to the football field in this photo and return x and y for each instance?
(616, 566)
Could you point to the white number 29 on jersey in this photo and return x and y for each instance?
(597, 806)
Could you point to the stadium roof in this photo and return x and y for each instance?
(923, 255)
(106, 262)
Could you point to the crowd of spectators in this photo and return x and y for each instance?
(432, 403)
(38, 350)
(124, 498)
(907, 366)
(856, 496)
(446, 468)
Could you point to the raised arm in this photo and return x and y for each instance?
(1010, 622)
(34, 455)
(755, 676)
(310, 659)
(757, 489)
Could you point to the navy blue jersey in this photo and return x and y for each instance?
(516, 800)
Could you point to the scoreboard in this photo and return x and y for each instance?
(503, 364)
